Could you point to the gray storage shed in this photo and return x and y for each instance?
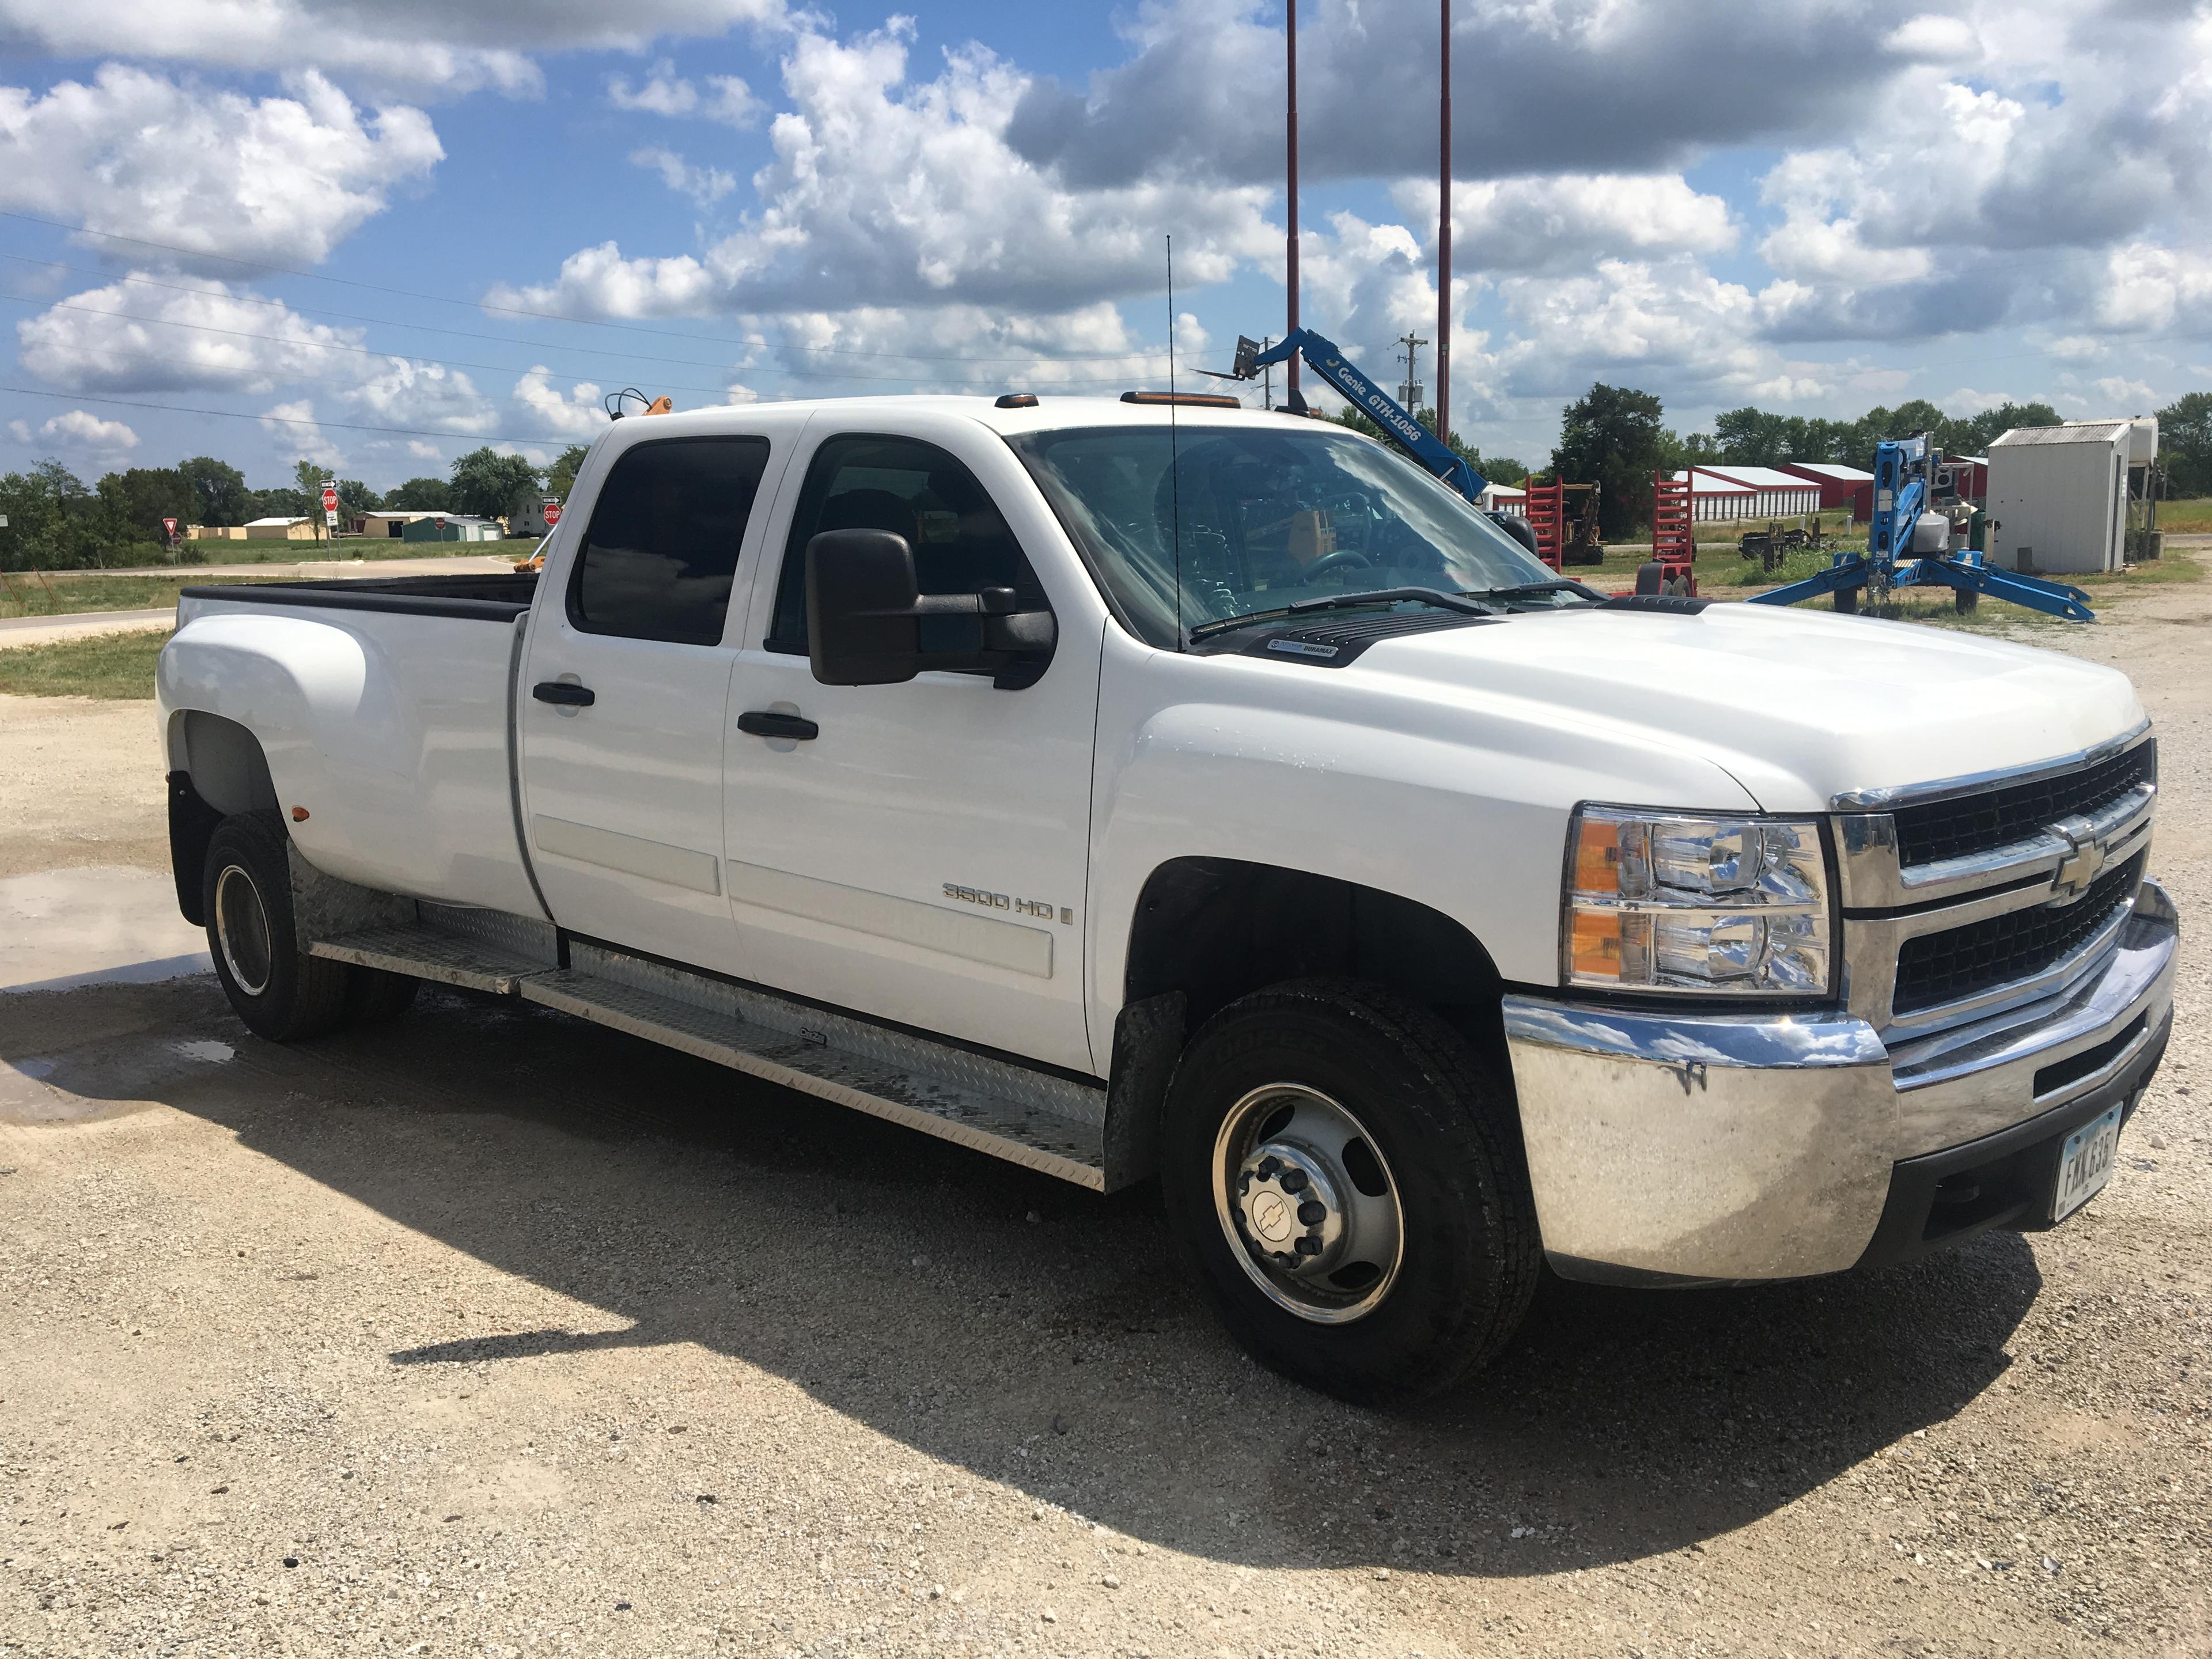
(2057, 496)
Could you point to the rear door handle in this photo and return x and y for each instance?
(564, 691)
(760, 723)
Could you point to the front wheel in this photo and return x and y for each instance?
(1344, 1170)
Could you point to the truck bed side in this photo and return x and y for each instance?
(383, 710)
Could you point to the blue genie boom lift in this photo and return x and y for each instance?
(1326, 360)
(1909, 545)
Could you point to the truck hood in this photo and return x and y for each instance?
(1799, 706)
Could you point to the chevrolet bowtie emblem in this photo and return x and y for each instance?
(2081, 867)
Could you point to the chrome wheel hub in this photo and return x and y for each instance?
(241, 927)
(1307, 1203)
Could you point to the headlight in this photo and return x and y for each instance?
(1659, 903)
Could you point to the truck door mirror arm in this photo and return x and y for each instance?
(864, 618)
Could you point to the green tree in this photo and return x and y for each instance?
(224, 499)
(2184, 444)
(1497, 469)
(486, 483)
(1610, 437)
(356, 498)
(561, 477)
(136, 500)
(307, 478)
(53, 520)
(420, 495)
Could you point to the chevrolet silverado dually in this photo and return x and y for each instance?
(1136, 791)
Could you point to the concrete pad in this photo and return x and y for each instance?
(62, 928)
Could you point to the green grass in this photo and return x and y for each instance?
(112, 665)
(2189, 518)
(64, 592)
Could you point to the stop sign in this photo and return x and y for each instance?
(330, 499)
(552, 514)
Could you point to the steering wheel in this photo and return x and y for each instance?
(1343, 557)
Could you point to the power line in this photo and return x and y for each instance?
(519, 311)
(452, 362)
(283, 420)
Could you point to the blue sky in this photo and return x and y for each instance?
(377, 233)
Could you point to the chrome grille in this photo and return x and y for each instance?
(1991, 818)
(1939, 967)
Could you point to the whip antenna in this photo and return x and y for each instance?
(1174, 451)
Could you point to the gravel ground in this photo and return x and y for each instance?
(494, 1333)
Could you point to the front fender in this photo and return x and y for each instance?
(1462, 809)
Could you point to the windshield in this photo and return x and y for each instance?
(1249, 518)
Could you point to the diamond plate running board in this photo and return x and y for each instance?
(1050, 1124)
(1005, 1128)
(429, 952)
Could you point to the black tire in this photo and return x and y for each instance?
(1650, 577)
(1441, 1120)
(373, 996)
(245, 888)
(1964, 600)
(1847, 601)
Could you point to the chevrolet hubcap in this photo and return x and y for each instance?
(1307, 1203)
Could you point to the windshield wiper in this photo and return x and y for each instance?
(1530, 590)
(1467, 604)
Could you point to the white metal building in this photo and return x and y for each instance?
(2058, 500)
(1774, 495)
(1504, 498)
(1712, 497)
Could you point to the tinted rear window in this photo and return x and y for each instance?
(662, 549)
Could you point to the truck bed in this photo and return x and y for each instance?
(474, 598)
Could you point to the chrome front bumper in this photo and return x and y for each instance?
(1673, 1145)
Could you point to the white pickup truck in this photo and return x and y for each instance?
(1136, 791)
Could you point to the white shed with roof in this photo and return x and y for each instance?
(1774, 495)
(2058, 500)
(1712, 497)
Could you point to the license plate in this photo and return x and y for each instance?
(2085, 1164)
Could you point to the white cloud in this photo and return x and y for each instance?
(401, 391)
(886, 192)
(579, 415)
(422, 450)
(442, 48)
(2148, 288)
(78, 430)
(2122, 393)
(705, 186)
(293, 427)
(1951, 42)
(1562, 222)
(187, 333)
(134, 154)
(726, 99)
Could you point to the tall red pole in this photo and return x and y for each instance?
(1290, 38)
(1444, 233)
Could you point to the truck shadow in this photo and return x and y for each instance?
(1037, 1335)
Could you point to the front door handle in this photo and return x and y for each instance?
(760, 723)
(564, 691)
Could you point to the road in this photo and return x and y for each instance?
(491, 1332)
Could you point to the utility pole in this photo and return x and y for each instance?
(1290, 126)
(1266, 381)
(1409, 392)
(1443, 230)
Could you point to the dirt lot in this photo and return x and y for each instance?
(494, 1333)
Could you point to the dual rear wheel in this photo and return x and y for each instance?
(280, 992)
